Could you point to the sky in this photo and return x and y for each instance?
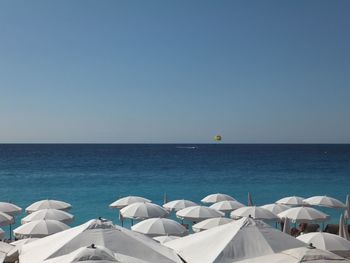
(174, 71)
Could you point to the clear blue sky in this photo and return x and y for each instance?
(175, 71)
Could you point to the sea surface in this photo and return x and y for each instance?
(91, 176)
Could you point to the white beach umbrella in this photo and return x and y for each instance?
(210, 223)
(198, 213)
(6, 219)
(143, 211)
(164, 239)
(291, 200)
(39, 228)
(10, 209)
(128, 200)
(326, 241)
(325, 201)
(227, 206)
(90, 254)
(177, 205)
(255, 212)
(99, 232)
(49, 214)
(298, 255)
(159, 226)
(303, 215)
(2, 234)
(214, 198)
(234, 241)
(276, 208)
(43, 204)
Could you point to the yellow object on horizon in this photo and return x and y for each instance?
(217, 138)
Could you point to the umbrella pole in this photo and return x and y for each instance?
(10, 232)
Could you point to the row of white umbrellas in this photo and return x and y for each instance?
(43, 212)
(134, 207)
(171, 230)
(245, 240)
(44, 217)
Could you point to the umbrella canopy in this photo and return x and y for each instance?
(304, 215)
(2, 234)
(89, 254)
(39, 228)
(4, 249)
(43, 204)
(298, 255)
(325, 201)
(128, 200)
(291, 200)
(177, 205)
(276, 208)
(10, 209)
(164, 239)
(143, 211)
(255, 212)
(214, 198)
(98, 232)
(198, 213)
(326, 241)
(159, 226)
(234, 241)
(49, 214)
(6, 219)
(12, 255)
(210, 223)
(227, 206)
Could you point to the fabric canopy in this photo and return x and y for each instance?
(214, 198)
(43, 204)
(10, 209)
(49, 214)
(299, 255)
(159, 226)
(143, 211)
(234, 241)
(325, 201)
(210, 223)
(326, 241)
(198, 213)
(177, 205)
(98, 232)
(128, 200)
(291, 200)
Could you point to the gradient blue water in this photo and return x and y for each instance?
(91, 176)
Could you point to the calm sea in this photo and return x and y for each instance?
(91, 176)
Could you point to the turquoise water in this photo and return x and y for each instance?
(91, 176)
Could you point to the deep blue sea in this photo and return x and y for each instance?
(91, 176)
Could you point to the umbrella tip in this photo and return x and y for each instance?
(92, 246)
(311, 246)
